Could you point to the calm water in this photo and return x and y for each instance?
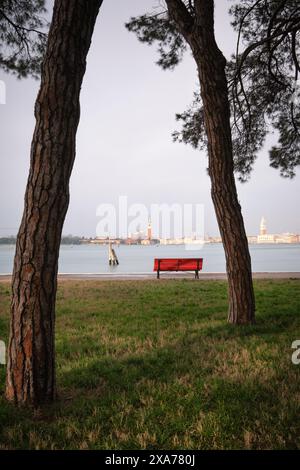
(139, 259)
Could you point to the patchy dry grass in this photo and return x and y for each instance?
(154, 365)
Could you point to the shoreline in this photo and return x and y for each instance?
(164, 275)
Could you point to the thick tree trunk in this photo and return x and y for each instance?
(211, 68)
(31, 355)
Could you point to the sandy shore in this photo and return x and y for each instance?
(152, 276)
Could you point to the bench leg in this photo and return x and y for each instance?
(157, 277)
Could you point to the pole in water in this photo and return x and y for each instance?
(112, 257)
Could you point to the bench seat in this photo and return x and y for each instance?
(178, 264)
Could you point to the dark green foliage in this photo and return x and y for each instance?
(262, 81)
(193, 131)
(22, 36)
(8, 240)
(70, 240)
(65, 240)
(159, 28)
(286, 155)
(264, 77)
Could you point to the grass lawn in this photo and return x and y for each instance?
(154, 365)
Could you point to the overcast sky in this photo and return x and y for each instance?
(124, 144)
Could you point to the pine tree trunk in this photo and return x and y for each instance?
(31, 354)
(211, 69)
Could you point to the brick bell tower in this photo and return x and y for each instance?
(263, 226)
(149, 230)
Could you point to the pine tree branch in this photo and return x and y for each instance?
(22, 28)
(180, 15)
(293, 28)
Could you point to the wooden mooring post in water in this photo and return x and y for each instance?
(112, 257)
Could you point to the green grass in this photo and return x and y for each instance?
(154, 365)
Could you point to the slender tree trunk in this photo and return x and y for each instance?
(31, 354)
(211, 69)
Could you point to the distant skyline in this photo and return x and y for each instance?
(124, 144)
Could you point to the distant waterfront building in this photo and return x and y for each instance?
(149, 230)
(171, 241)
(263, 236)
(145, 237)
(213, 240)
(263, 226)
(267, 238)
(287, 238)
(149, 240)
(103, 241)
(252, 239)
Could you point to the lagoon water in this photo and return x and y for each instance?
(139, 259)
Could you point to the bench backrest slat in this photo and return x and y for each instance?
(177, 264)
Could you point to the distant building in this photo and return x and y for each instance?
(267, 238)
(213, 240)
(100, 240)
(149, 230)
(263, 236)
(147, 242)
(171, 241)
(104, 241)
(252, 238)
(287, 238)
(263, 226)
(145, 237)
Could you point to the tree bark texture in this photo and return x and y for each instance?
(31, 354)
(199, 33)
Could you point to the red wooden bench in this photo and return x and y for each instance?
(178, 264)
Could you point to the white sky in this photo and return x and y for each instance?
(124, 144)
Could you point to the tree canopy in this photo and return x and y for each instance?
(23, 35)
(263, 79)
